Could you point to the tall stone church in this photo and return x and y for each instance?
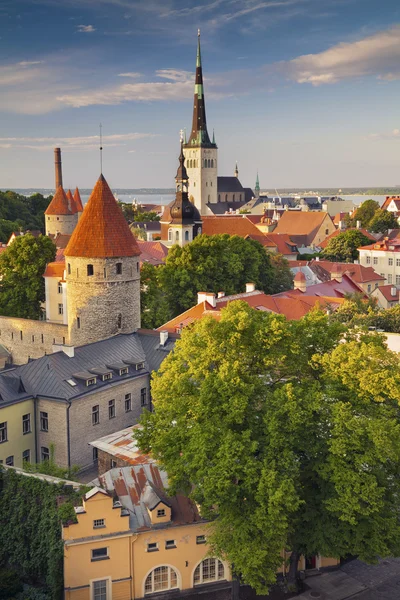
(209, 193)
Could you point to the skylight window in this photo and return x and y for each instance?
(71, 382)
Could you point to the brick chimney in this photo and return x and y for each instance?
(57, 167)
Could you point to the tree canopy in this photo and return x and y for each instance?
(365, 212)
(22, 266)
(343, 247)
(213, 264)
(285, 433)
(382, 221)
(20, 212)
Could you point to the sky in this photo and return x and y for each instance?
(307, 92)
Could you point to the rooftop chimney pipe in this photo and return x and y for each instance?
(57, 167)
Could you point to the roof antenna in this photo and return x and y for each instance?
(101, 150)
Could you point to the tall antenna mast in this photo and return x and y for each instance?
(101, 150)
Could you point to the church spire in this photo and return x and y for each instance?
(257, 187)
(236, 172)
(199, 134)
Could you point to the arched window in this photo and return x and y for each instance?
(118, 268)
(186, 236)
(210, 569)
(170, 235)
(162, 578)
(209, 162)
(226, 197)
(69, 269)
(194, 164)
(119, 321)
(233, 197)
(90, 270)
(177, 236)
(212, 163)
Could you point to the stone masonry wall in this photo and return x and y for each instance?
(106, 303)
(104, 462)
(26, 338)
(57, 433)
(81, 429)
(60, 224)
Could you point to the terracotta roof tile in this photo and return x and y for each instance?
(301, 224)
(358, 273)
(71, 202)
(55, 269)
(386, 291)
(152, 252)
(78, 201)
(59, 205)
(102, 231)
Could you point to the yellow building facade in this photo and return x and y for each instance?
(17, 433)
(104, 559)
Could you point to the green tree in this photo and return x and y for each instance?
(212, 264)
(21, 269)
(285, 433)
(365, 212)
(138, 232)
(382, 221)
(343, 247)
(154, 308)
(283, 276)
(146, 216)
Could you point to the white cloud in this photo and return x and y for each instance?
(30, 63)
(376, 55)
(83, 143)
(176, 75)
(132, 74)
(392, 135)
(85, 28)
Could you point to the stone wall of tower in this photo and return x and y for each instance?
(105, 303)
(60, 224)
(202, 179)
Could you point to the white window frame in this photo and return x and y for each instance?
(61, 308)
(99, 523)
(178, 580)
(99, 558)
(390, 262)
(109, 587)
(200, 564)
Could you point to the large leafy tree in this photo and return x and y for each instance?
(365, 212)
(153, 302)
(212, 264)
(285, 433)
(382, 221)
(343, 247)
(21, 270)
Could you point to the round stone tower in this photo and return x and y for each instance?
(102, 272)
(59, 215)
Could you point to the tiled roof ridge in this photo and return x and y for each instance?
(77, 200)
(102, 231)
(59, 204)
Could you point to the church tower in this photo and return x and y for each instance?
(59, 215)
(200, 152)
(102, 272)
(257, 188)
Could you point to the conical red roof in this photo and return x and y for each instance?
(78, 201)
(71, 202)
(102, 231)
(59, 205)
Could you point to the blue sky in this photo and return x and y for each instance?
(305, 91)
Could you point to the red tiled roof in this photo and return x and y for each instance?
(102, 231)
(61, 240)
(339, 217)
(386, 291)
(78, 201)
(338, 232)
(385, 245)
(55, 269)
(358, 273)
(71, 202)
(59, 204)
(60, 255)
(301, 224)
(328, 289)
(152, 252)
(232, 225)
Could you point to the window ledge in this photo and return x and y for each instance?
(100, 558)
(170, 547)
(99, 527)
(152, 550)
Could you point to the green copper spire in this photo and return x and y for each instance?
(257, 184)
(198, 58)
(213, 137)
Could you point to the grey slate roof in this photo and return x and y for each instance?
(229, 184)
(220, 208)
(48, 376)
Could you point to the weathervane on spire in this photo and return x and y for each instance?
(198, 32)
(181, 134)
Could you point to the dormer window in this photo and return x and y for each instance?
(107, 376)
(91, 381)
(139, 366)
(124, 371)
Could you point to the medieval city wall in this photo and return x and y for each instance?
(26, 338)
